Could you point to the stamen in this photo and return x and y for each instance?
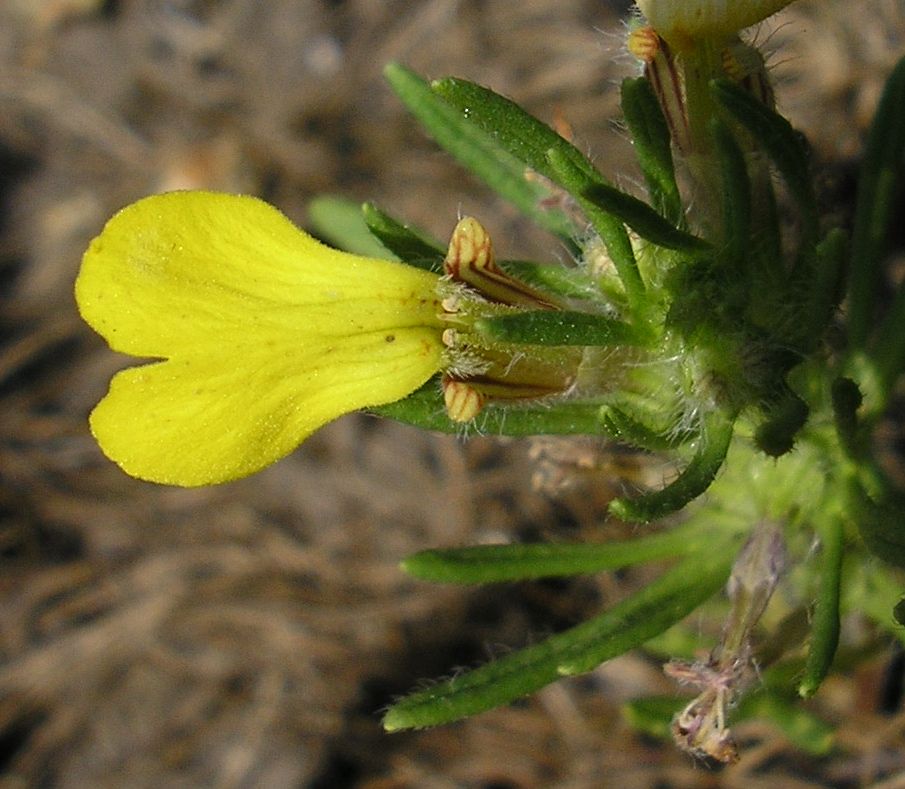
(644, 43)
(470, 259)
(463, 402)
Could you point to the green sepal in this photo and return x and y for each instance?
(339, 222)
(408, 244)
(713, 444)
(516, 131)
(645, 614)
(825, 621)
(776, 434)
(619, 425)
(577, 181)
(653, 147)
(643, 219)
(483, 564)
(776, 136)
(558, 327)
(478, 151)
(424, 408)
(879, 182)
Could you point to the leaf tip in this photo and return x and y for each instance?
(626, 510)
(808, 688)
(393, 722)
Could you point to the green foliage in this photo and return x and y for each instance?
(653, 148)
(558, 328)
(775, 135)
(521, 135)
(404, 242)
(878, 186)
(825, 628)
(578, 180)
(477, 150)
(628, 624)
(643, 219)
(713, 444)
(482, 564)
(340, 222)
(706, 333)
(425, 409)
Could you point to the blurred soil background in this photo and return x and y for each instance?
(248, 635)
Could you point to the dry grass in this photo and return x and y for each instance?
(247, 635)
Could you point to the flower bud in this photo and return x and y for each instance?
(682, 20)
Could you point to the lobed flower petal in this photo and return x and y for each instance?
(265, 335)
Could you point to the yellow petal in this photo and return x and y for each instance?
(266, 334)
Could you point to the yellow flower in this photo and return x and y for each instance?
(680, 21)
(256, 335)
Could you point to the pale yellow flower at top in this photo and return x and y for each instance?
(682, 21)
(255, 334)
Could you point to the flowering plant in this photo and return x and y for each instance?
(700, 323)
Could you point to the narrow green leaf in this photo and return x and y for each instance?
(619, 425)
(779, 140)
(825, 624)
(424, 408)
(736, 196)
(555, 327)
(519, 133)
(643, 219)
(768, 243)
(653, 146)
(691, 483)
(339, 222)
(561, 280)
(822, 287)
(406, 243)
(627, 625)
(577, 181)
(477, 150)
(879, 181)
(481, 564)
